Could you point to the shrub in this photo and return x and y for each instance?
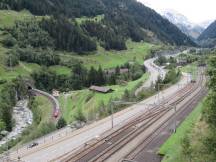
(61, 123)
(9, 41)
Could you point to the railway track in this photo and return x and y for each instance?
(52, 99)
(154, 110)
(187, 107)
(113, 142)
(138, 119)
(139, 150)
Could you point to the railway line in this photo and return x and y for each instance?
(154, 140)
(52, 99)
(105, 147)
(58, 147)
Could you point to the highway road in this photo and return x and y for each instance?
(155, 71)
(66, 140)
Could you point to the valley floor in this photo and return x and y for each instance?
(64, 141)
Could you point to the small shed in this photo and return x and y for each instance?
(100, 89)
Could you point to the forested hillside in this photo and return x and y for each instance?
(123, 19)
(208, 37)
(210, 32)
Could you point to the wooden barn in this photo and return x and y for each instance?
(100, 89)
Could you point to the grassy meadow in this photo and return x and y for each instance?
(192, 69)
(111, 59)
(95, 19)
(8, 17)
(90, 102)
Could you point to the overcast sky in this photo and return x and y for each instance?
(196, 11)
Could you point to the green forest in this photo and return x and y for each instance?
(123, 19)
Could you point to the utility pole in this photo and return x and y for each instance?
(7, 153)
(175, 119)
(112, 117)
(158, 90)
(158, 86)
(10, 62)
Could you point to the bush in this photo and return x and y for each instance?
(61, 123)
(9, 41)
(46, 128)
(136, 75)
(42, 57)
(146, 93)
(80, 116)
(3, 81)
(172, 77)
(161, 60)
(12, 60)
(2, 125)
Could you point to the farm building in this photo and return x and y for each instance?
(100, 89)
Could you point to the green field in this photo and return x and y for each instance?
(8, 17)
(90, 102)
(171, 149)
(23, 69)
(61, 70)
(111, 59)
(44, 108)
(192, 69)
(95, 19)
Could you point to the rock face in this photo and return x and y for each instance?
(23, 117)
(182, 22)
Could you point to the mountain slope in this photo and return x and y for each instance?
(127, 17)
(183, 23)
(210, 32)
(208, 37)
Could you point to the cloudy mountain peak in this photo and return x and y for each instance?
(183, 23)
(177, 18)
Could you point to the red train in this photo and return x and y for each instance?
(53, 100)
(56, 113)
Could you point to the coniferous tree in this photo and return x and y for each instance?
(100, 77)
(92, 76)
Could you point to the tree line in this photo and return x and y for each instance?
(75, 8)
(42, 57)
(81, 77)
